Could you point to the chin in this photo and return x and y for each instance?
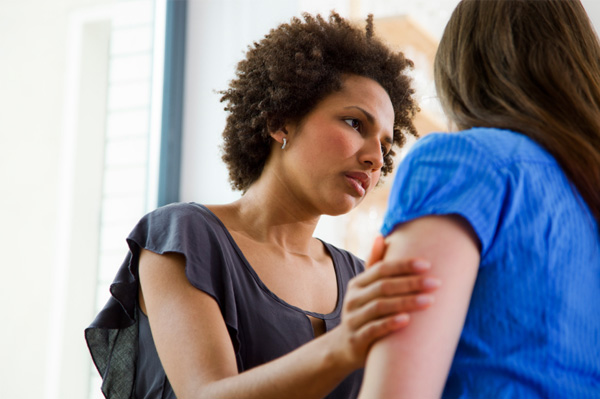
(343, 206)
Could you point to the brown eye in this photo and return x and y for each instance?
(384, 150)
(353, 123)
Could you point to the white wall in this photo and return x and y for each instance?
(34, 43)
(593, 9)
(75, 104)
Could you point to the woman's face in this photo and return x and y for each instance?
(335, 153)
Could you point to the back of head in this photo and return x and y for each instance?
(532, 67)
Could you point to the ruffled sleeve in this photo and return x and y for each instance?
(113, 335)
(192, 231)
(184, 228)
(447, 174)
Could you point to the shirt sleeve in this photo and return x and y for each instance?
(448, 173)
(112, 337)
(183, 228)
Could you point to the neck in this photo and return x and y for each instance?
(267, 213)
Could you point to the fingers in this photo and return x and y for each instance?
(391, 287)
(380, 328)
(378, 251)
(383, 308)
(391, 268)
(378, 300)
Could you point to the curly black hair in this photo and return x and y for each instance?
(290, 70)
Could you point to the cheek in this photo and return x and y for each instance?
(327, 141)
(342, 142)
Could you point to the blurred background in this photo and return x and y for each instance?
(108, 109)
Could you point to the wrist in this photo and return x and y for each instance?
(336, 354)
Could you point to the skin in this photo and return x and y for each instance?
(414, 363)
(326, 140)
(332, 160)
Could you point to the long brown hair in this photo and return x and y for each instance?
(532, 67)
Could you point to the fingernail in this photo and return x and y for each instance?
(421, 264)
(431, 282)
(402, 318)
(424, 299)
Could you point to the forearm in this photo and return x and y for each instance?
(311, 371)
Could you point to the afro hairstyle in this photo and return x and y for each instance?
(290, 70)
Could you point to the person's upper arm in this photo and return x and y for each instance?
(414, 362)
(188, 328)
(446, 205)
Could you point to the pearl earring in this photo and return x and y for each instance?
(284, 143)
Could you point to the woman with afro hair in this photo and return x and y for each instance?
(240, 300)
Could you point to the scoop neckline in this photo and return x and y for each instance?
(340, 291)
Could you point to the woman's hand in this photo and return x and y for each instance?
(378, 300)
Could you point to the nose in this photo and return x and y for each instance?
(371, 154)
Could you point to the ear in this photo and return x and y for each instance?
(279, 134)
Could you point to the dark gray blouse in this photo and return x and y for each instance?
(261, 325)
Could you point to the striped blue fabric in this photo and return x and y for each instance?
(533, 326)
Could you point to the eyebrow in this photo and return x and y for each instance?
(371, 120)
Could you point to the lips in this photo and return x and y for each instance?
(360, 181)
